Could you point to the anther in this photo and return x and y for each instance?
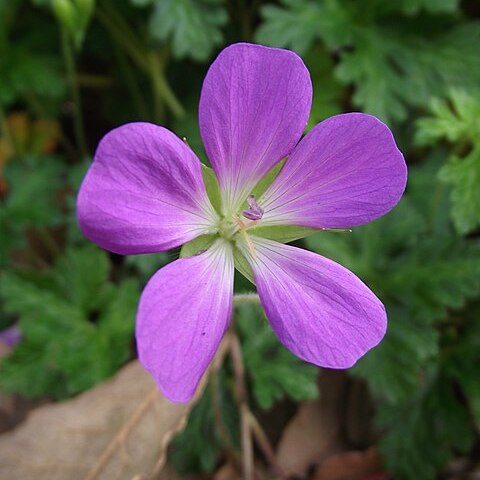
(255, 211)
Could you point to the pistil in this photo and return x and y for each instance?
(255, 211)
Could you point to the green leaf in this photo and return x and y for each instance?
(392, 71)
(395, 60)
(464, 177)
(275, 372)
(282, 233)
(141, 3)
(434, 6)
(147, 264)
(199, 447)
(23, 71)
(267, 179)
(32, 200)
(81, 275)
(463, 357)
(458, 121)
(203, 242)
(34, 183)
(242, 265)
(327, 91)
(213, 190)
(116, 323)
(394, 369)
(419, 269)
(426, 431)
(298, 23)
(192, 27)
(196, 449)
(77, 327)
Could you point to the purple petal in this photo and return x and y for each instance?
(254, 106)
(183, 314)
(11, 336)
(144, 192)
(318, 309)
(346, 172)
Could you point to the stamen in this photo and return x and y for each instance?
(255, 212)
(339, 230)
(245, 225)
(250, 246)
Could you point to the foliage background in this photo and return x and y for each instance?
(70, 70)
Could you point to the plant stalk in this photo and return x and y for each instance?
(246, 298)
(69, 60)
(241, 390)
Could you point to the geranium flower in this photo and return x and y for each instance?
(145, 193)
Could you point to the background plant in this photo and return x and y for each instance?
(414, 63)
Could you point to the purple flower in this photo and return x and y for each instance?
(11, 336)
(145, 193)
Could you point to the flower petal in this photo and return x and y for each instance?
(318, 309)
(254, 106)
(144, 192)
(346, 172)
(183, 314)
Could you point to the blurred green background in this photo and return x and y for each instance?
(70, 70)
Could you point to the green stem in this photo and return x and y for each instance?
(436, 204)
(149, 61)
(69, 59)
(244, 21)
(161, 88)
(246, 298)
(4, 130)
(131, 83)
(158, 106)
(122, 34)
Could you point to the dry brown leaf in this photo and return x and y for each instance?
(169, 473)
(314, 431)
(227, 472)
(118, 430)
(351, 466)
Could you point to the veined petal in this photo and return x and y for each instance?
(254, 106)
(318, 309)
(144, 192)
(183, 314)
(346, 172)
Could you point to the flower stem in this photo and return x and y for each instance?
(130, 81)
(264, 444)
(5, 130)
(241, 389)
(162, 90)
(230, 452)
(122, 34)
(149, 61)
(69, 60)
(246, 298)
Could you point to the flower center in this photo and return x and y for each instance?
(231, 225)
(227, 228)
